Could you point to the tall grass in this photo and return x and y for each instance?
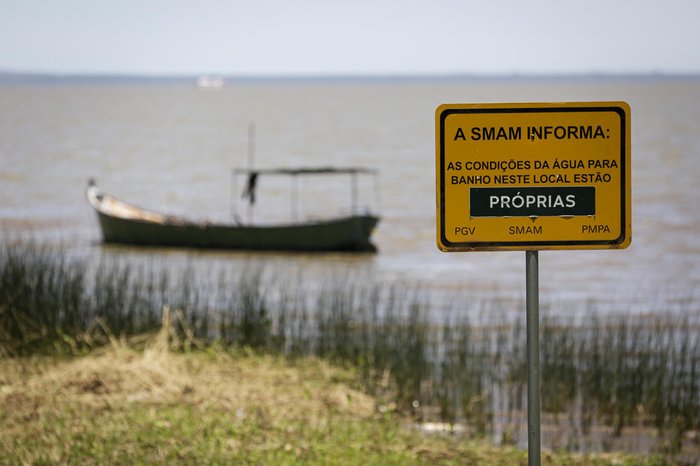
(620, 372)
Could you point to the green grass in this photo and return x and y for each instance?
(120, 406)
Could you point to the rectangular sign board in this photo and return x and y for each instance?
(531, 176)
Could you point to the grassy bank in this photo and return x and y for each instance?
(123, 405)
(605, 376)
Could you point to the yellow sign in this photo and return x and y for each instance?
(533, 176)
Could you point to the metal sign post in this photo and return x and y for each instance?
(533, 176)
(532, 299)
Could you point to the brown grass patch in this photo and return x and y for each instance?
(116, 375)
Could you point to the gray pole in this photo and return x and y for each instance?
(533, 357)
(353, 193)
(234, 200)
(251, 146)
(251, 164)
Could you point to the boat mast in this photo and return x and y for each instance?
(353, 192)
(251, 162)
(234, 177)
(234, 193)
(294, 205)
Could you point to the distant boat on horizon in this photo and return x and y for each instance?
(210, 82)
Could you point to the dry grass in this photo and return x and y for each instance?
(119, 375)
(120, 405)
(36, 393)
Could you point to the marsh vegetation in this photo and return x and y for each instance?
(603, 376)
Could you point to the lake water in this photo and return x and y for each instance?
(171, 148)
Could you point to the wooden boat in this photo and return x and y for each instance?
(123, 222)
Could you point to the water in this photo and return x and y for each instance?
(171, 147)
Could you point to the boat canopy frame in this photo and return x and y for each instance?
(252, 175)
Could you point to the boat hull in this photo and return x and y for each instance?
(343, 234)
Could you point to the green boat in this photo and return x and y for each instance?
(126, 223)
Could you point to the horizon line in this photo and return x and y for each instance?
(38, 77)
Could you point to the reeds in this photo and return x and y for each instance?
(617, 371)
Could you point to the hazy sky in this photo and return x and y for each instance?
(299, 37)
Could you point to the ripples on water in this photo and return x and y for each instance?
(171, 148)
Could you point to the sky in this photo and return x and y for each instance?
(349, 37)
